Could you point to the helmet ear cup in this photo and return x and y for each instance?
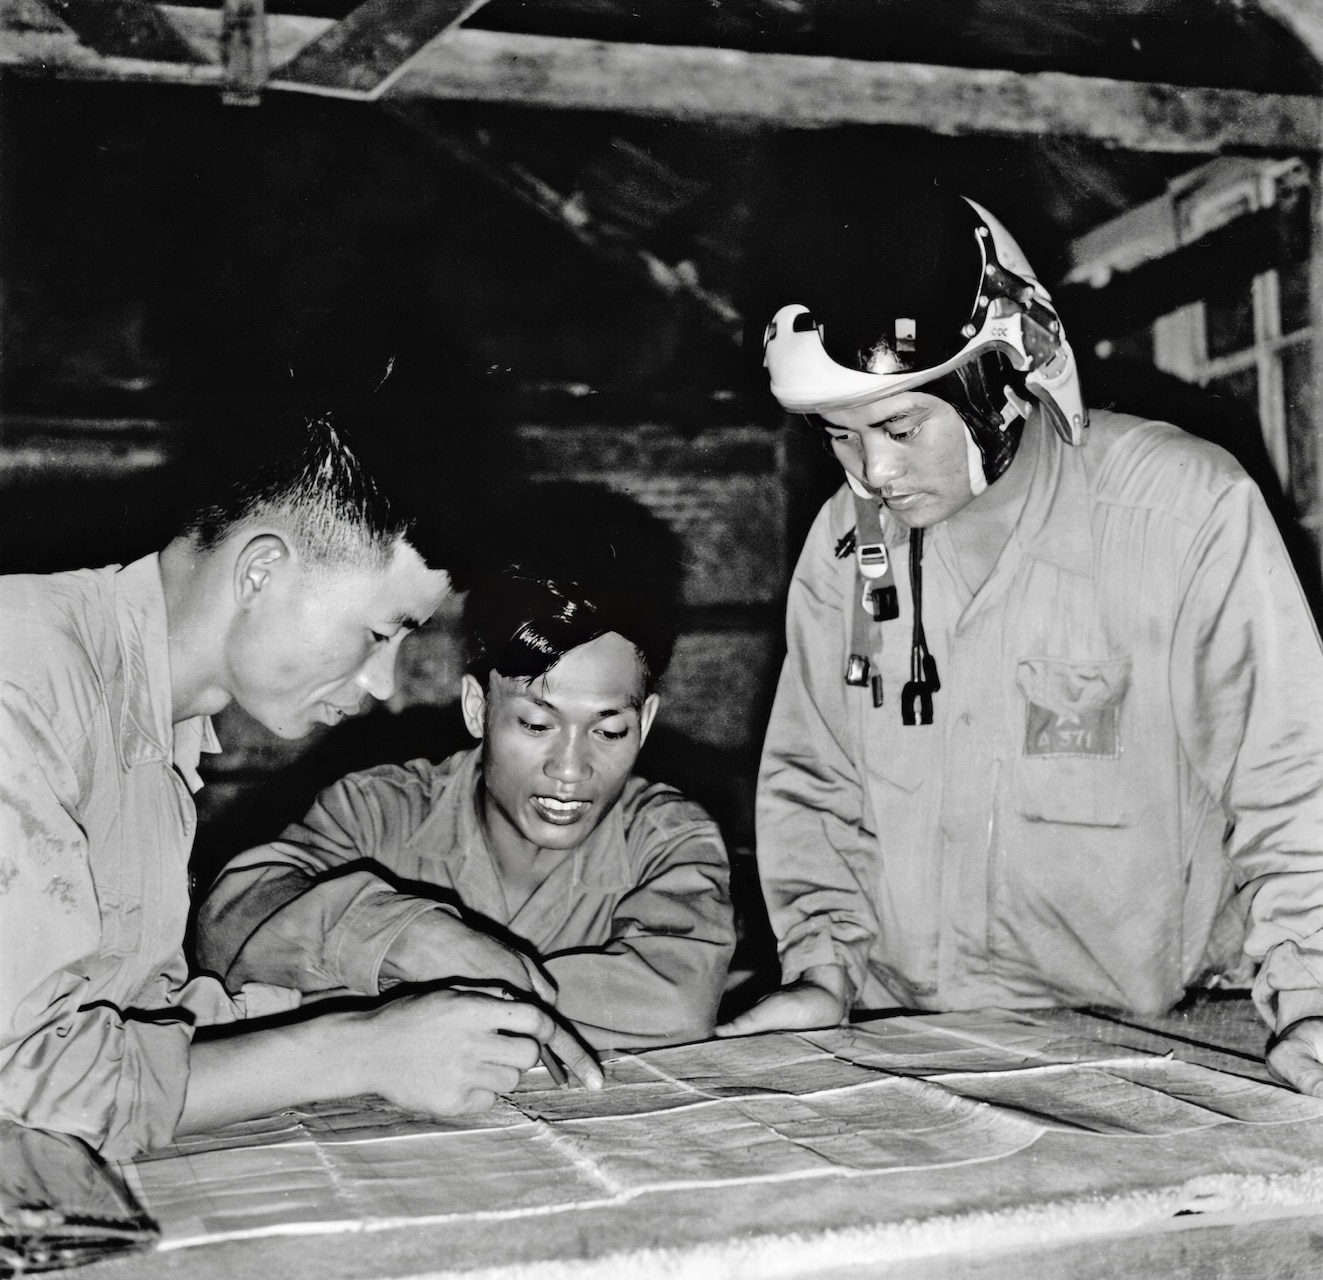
(979, 393)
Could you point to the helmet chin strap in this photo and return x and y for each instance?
(1015, 407)
(978, 480)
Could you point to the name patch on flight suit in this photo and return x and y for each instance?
(1082, 732)
(1073, 708)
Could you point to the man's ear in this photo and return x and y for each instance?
(647, 713)
(258, 559)
(473, 702)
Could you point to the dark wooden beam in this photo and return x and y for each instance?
(124, 29)
(780, 90)
(801, 91)
(364, 51)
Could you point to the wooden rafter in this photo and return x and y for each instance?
(365, 51)
(801, 91)
(604, 238)
(787, 91)
(123, 29)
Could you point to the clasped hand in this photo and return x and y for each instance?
(1296, 1057)
(439, 947)
(815, 1000)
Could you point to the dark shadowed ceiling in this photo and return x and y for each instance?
(517, 206)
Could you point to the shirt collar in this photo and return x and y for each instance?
(1055, 526)
(147, 731)
(1049, 527)
(601, 861)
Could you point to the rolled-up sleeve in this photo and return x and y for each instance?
(810, 836)
(71, 1060)
(1247, 677)
(312, 910)
(659, 977)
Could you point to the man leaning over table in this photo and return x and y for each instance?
(1050, 725)
(616, 887)
(290, 595)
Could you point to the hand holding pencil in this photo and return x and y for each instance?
(562, 1053)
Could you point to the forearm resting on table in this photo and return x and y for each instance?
(622, 998)
(819, 997)
(421, 951)
(253, 1073)
(437, 945)
(440, 1051)
(287, 925)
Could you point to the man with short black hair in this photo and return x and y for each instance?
(290, 595)
(540, 835)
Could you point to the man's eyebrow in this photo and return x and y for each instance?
(899, 415)
(631, 704)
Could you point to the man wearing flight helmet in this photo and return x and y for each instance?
(1050, 725)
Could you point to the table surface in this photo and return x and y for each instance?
(1061, 1143)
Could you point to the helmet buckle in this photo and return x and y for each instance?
(882, 602)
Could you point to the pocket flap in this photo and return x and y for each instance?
(1067, 688)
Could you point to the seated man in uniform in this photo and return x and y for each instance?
(289, 594)
(540, 835)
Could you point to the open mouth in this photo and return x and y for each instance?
(560, 813)
(901, 501)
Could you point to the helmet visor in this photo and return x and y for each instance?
(1007, 312)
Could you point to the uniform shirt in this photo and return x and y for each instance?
(1123, 780)
(634, 927)
(96, 825)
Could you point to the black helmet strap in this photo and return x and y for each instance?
(879, 603)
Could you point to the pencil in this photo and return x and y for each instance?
(554, 1069)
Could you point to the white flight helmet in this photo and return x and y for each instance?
(1010, 312)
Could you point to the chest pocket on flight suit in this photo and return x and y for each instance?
(1070, 766)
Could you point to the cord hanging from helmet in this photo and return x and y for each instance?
(878, 601)
(923, 681)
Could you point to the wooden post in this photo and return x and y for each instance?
(244, 52)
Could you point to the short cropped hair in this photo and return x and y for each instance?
(319, 492)
(520, 625)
